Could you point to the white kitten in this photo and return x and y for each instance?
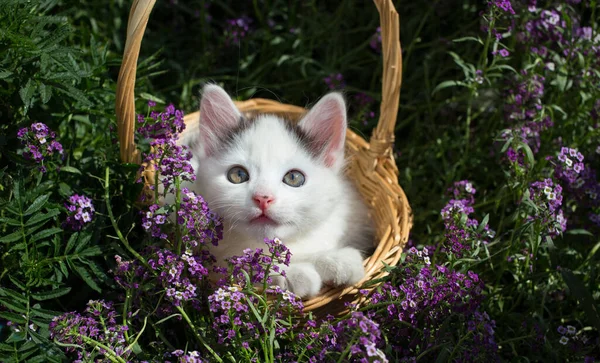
(270, 178)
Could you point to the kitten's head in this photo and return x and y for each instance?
(268, 177)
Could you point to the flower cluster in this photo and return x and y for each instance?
(363, 103)
(358, 336)
(503, 5)
(189, 357)
(335, 81)
(97, 329)
(569, 165)
(375, 42)
(39, 142)
(547, 196)
(171, 160)
(200, 225)
(161, 125)
(461, 230)
(546, 27)
(420, 297)
(498, 19)
(237, 29)
(483, 342)
(178, 275)
(523, 111)
(257, 265)
(463, 190)
(80, 212)
(233, 319)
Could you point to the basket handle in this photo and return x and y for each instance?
(125, 98)
(382, 137)
(381, 140)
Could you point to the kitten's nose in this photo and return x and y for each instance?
(263, 201)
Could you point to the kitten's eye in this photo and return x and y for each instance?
(237, 175)
(294, 178)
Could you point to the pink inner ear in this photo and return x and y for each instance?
(218, 115)
(326, 124)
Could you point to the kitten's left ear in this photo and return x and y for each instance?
(326, 124)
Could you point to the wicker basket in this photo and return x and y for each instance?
(371, 165)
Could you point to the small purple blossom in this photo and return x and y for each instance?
(335, 81)
(375, 42)
(80, 211)
(547, 196)
(237, 29)
(39, 143)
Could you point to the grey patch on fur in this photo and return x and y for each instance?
(304, 139)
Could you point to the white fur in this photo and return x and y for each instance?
(324, 223)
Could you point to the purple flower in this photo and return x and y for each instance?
(504, 5)
(80, 212)
(237, 29)
(547, 196)
(39, 143)
(569, 165)
(375, 42)
(99, 323)
(335, 81)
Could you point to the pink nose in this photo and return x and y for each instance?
(263, 201)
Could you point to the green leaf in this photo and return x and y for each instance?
(74, 93)
(585, 298)
(13, 305)
(13, 294)
(85, 275)
(70, 169)
(16, 318)
(579, 231)
(83, 241)
(447, 84)
(15, 236)
(26, 93)
(91, 251)
(71, 242)
(52, 294)
(45, 93)
(468, 39)
(42, 217)
(37, 204)
(63, 269)
(5, 74)
(147, 96)
(43, 313)
(10, 221)
(45, 234)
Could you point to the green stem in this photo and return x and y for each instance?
(462, 339)
(109, 352)
(177, 207)
(515, 339)
(125, 309)
(113, 221)
(197, 335)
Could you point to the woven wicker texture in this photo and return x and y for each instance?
(371, 164)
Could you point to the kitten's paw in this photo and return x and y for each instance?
(341, 267)
(302, 279)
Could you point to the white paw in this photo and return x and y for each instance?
(302, 279)
(341, 267)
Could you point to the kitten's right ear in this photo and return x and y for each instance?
(218, 115)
